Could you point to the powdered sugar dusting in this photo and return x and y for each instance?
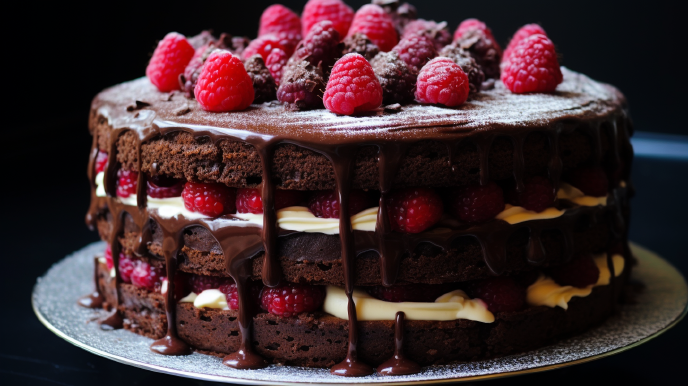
(577, 97)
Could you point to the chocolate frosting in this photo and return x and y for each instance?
(579, 103)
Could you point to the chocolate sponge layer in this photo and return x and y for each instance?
(320, 340)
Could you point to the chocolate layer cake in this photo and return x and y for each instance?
(405, 235)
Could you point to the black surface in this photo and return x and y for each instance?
(60, 56)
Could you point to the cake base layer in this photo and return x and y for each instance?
(320, 340)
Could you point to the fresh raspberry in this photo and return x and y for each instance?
(522, 33)
(372, 20)
(409, 292)
(413, 210)
(463, 58)
(262, 46)
(353, 86)
(189, 79)
(127, 182)
(484, 49)
(101, 161)
(591, 180)
(169, 61)
(289, 299)
(320, 46)
(579, 272)
(442, 81)
(209, 199)
(325, 203)
(333, 10)
(224, 84)
(163, 187)
(126, 267)
(476, 204)
(264, 88)
(108, 257)
(249, 200)
(471, 24)
(200, 283)
(276, 62)
(280, 20)
(416, 51)
(147, 276)
(437, 32)
(537, 194)
(532, 66)
(232, 294)
(360, 44)
(500, 294)
(397, 80)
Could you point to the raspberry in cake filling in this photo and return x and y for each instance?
(353, 190)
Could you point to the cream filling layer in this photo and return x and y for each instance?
(100, 186)
(451, 306)
(516, 214)
(573, 194)
(210, 298)
(546, 292)
(300, 219)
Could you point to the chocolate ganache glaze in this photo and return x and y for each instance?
(137, 106)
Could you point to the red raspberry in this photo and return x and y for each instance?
(126, 267)
(101, 161)
(163, 187)
(372, 20)
(353, 86)
(108, 257)
(126, 183)
(532, 66)
(276, 62)
(437, 32)
(147, 276)
(409, 292)
(591, 180)
(416, 51)
(262, 46)
(580, 272)
(325, 203)
(442, 81)
(283, 23)
(320, 46)
(289, 299)
(537, 194)
(209, 199)
(232, 294)
(169, 61)
(413, 210)
(224, 84)
(475, 204)
(471, 24)
(500, 294)
(523, 33)
(250, 201)
(200, 283)
(333, 10)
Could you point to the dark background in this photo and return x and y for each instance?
(60, 56)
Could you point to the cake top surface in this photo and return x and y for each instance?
(140, 106)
